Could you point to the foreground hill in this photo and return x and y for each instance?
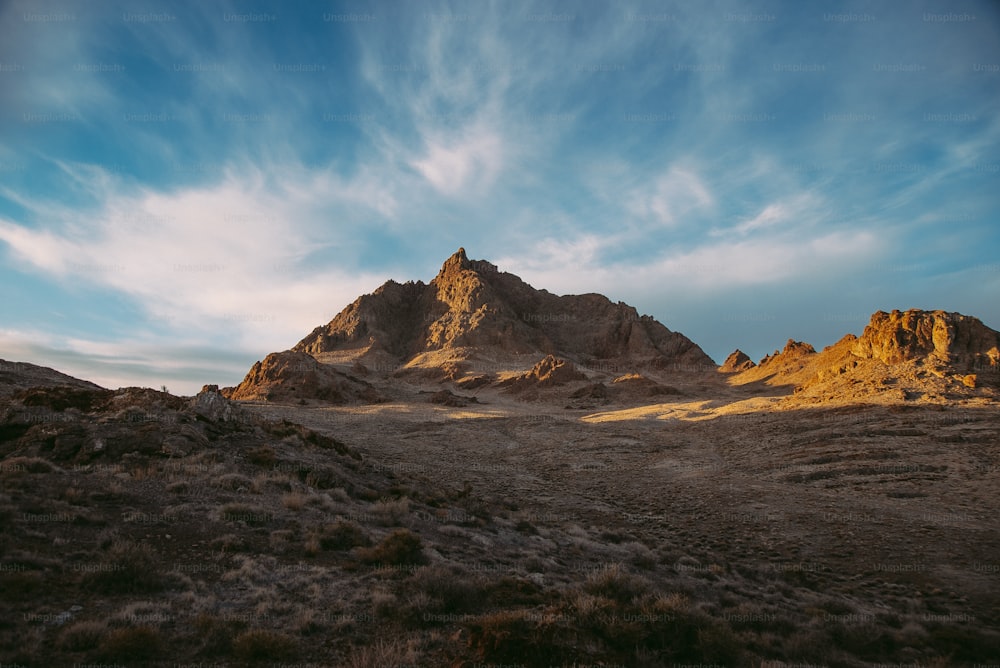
(15, 376)
(144, 529)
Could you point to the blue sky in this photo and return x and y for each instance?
(185, 187)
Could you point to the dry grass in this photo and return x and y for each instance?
(264, 645)
(680, 541)
(295, 501)
(130, 644)
(400, 548)
(381, 654)
(82, 636)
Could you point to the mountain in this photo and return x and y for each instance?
(473, 311)
(902, 355)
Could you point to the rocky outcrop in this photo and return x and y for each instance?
(292, 376)
(900, 356)
(952, 339)
(548, 372)
(450, 399)
(736, 362)
(211, 404)
(792, 349)
(472, 308)
(636, 385)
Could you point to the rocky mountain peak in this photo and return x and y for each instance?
(472, 310)
(458, 261)
(736, 362)
(459, 268)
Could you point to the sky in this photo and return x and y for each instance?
(188, 186)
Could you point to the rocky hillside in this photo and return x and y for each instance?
(952, 339)
(902, 355)
(15, 376)
(291, 375)
(473, 310)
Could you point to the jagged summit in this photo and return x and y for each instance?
(473, 310)
(459, 261)
(737, 361)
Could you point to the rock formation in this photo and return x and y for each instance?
(291, 375)
(736, 362)
(472, 309)
(549, 372)
(900, 355)
(953, 339)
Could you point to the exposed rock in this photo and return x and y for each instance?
(736, 362)
(960, 341)
(472, 308)
(901, 355)
(548, 372)
(793, 347)
(553, 371)
(211, 404)
(291, 376)
(475, 382)
(637, 385)
(449, 398)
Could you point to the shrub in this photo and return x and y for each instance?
(380, 654)
(26, 465)
(401, 547)
(130, 568)
(234, 482)
(321, 477)
(295, 501)
(242, 512)
(343, 536)
(263, 645)
(81, 636)
(448, 590)
(391, 511)
(616, 583)
(262, 456)
(130, 644)
(516, 637)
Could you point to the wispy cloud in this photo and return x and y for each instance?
(463, 166)
(802, 210)
(671, 197)
(235, 183)
(222, 258)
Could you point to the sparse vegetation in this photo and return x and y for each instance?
(130, 644)
(263, 645)
(272, 546)
(127, 568)
(400, 548)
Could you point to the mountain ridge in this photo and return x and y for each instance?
(472, 309)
